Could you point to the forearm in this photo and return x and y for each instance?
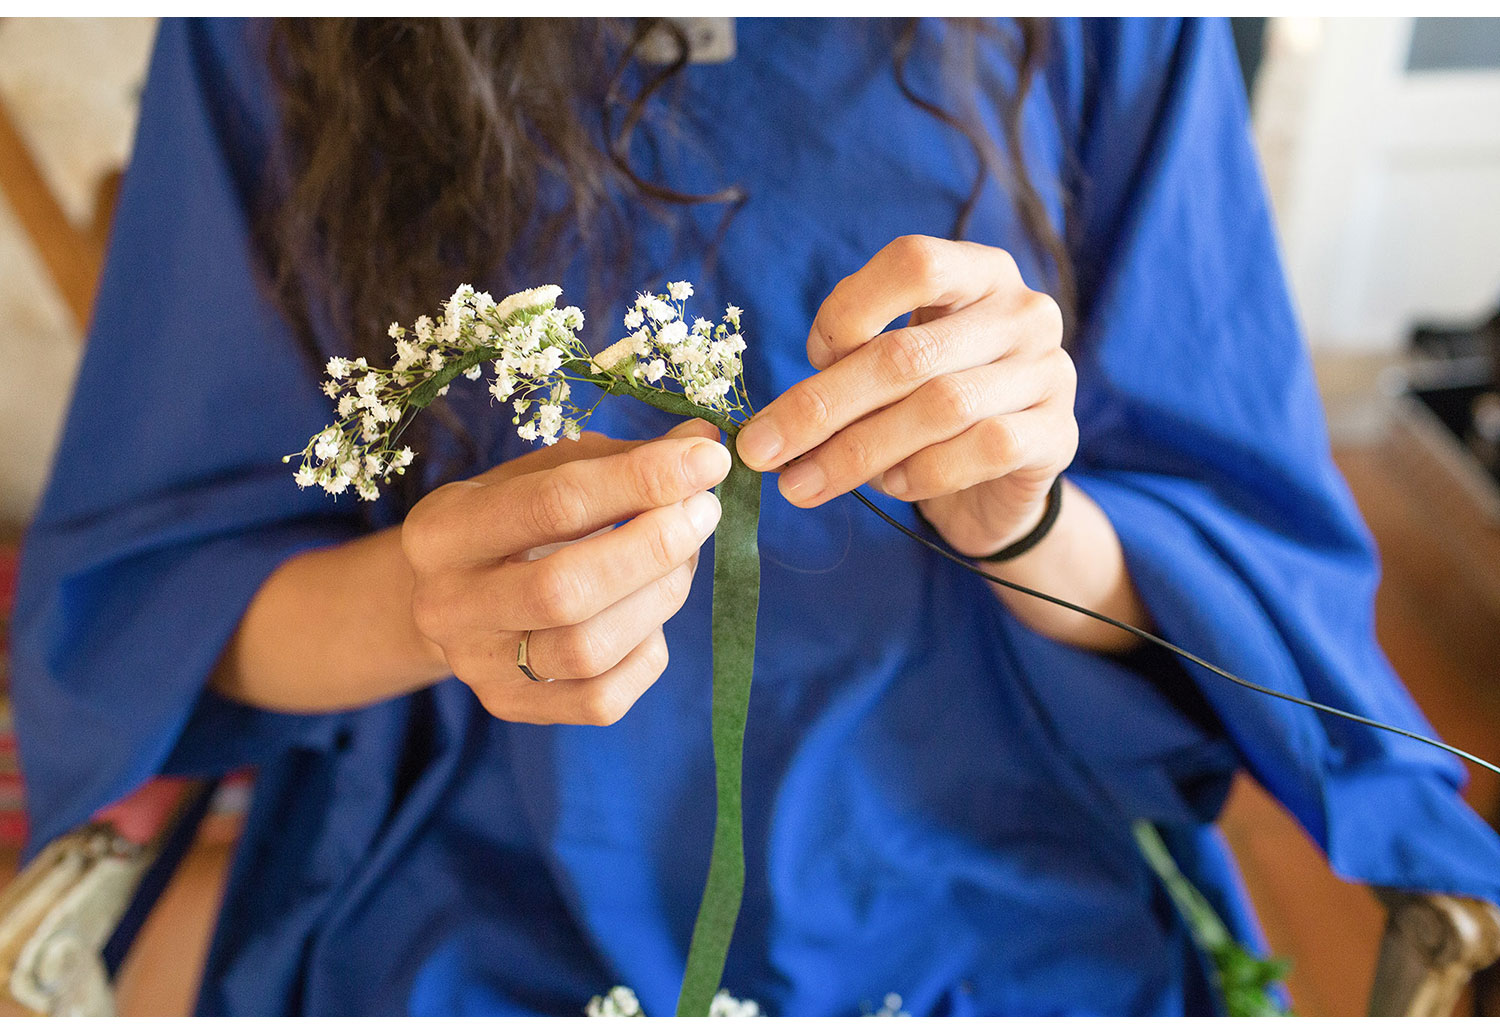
(330, 629)
(1080, 560)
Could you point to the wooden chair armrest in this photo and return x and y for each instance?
(67, 919)
(1433, 946)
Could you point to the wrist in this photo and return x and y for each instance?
(1023, 535)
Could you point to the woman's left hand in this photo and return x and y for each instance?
(967, 410)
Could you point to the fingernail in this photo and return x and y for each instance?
(702, 512)
(818, 353)
(706, 463)
(895, 482)
(802, 482)
(759, 445)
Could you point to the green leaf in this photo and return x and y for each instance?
(736, 598)
(1244, 978)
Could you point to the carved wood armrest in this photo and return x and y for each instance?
(58, 917)
(1433, 946)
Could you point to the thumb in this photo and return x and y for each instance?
(590, 445)
(694, 428)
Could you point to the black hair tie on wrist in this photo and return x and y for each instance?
(1021, 545)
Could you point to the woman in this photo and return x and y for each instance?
(939, 781)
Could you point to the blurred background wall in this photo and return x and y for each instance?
(69, 90)
(1381, 142)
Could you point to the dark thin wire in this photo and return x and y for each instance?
(1157, 640)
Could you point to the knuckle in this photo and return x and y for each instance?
(1047, 313)
(603, 706)
(913, 353)
(833, 319)
(557, 504)
(429, 612)
(1064, 381)
(856, 454)
(956, 399)
(676, 586)
(1070, 436)
(1067, 370)
(656, 656)
(1006, 262)
(660, 482)
(497, 704)
(418, 538)
(416, 543)
(919, 258)
(665, 541)
(811, 406)
(584, 653)
(557, 593)
(1001, 443)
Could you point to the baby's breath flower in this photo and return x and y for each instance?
(660, 311)
(619, 1001)
(622, 1001)
(726, 1004)
(702, 358)
(534, 352)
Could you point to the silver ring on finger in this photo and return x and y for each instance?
(523, 660)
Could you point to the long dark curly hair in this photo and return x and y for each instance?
(415, 154)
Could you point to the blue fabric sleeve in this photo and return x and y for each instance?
(168, 504)
(1202, 438)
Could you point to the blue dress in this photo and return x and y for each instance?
(938, 800)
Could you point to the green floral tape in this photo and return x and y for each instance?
(736, 598)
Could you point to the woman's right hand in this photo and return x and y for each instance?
(594, 608)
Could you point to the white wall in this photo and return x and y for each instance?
(71, 85)
(1386, 184)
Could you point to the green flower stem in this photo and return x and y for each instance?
(736, 599)
(424, 394)
(1244, 978)
(667, 401)
(1208, 929)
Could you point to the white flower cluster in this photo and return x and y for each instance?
(725, 1004)
(621, 1001)
(534, 352)
(528, 340)
(359, 448)
(701, 357)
